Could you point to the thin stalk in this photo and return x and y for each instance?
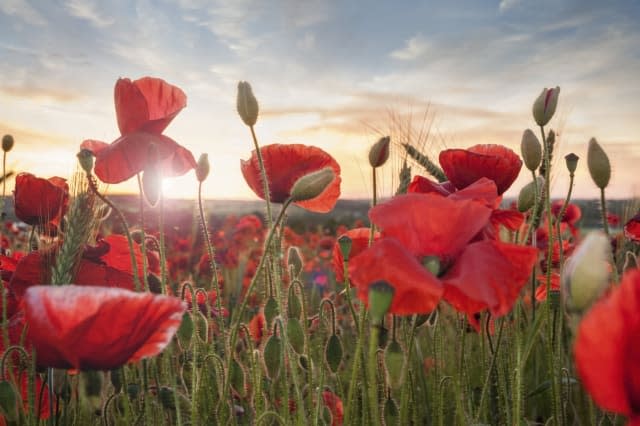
(355, 367)
(263, 175)
(143, 245)
(605, 224)
(404, 396)
(374, 403)
(163, 250)
(487, 380)
(347, 291)
(536, 202)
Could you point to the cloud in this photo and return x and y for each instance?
(414, 48)
(507, 4)
(87, 10)
(23, 10)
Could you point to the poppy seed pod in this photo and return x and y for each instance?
(202, 167)
(572, 162)
(379, 152)
(586, 273)
(531, 150)
(247, 104)
(7, 143)
(312, 185)
(545, 106)
(598, 163)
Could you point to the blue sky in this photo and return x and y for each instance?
(333, 74)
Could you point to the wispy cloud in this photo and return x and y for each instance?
(88, 10)
(23, 10)
(414, 48)
(507, 4)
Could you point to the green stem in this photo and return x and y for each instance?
(487, 380)
(263, 174)
(605, 224)
(374, 403)
(355, 368)
(163, 250)
(143, 245)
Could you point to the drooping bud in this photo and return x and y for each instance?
(270, 310)
(247, 104)
(237, 377)
(527, 196)
(545, 106)
(311, 185)
(202, 168)
(598, 163)
(333, 353)
(380, 298)
(531, 150)
(273, 356)
(185, 331)
(572, 162)
(294, 307)
(586, 273)
(7, 143)
(394, 363)
(379, 152)
(85, 158)
(345, 243)
(295, 335)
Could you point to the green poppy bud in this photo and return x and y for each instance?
(345, 243)
(545, 106)
(311, 185)
(202, 167)
(294, 260)
(7, 143)
(295, 335)
(247, 104)
(379, 152)
(527, 196)
(531, 150)
(272, 355)
(394, 363)
(85, 158)
(572, 162)
(333, 353)
(598, 163)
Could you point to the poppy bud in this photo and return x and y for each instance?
(531, 150)
(7, 143)
(394, 364)
(572, 162)
(311, 185)
(545, 106)
(598, 163)
(295, 335)
(294, 307)
(237, 377)
(379, 152)
(294, 260)
(586, 273)
(247, 104)
(185, 331)
(85, 158)
(345, 246)
(202, 167)
(527, 196)
(333, 353)
(270, 310)
(273, 356)
(380, 298)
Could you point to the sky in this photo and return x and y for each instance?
(335, 74)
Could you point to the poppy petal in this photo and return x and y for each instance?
(93, 145)
(488, 275)
(423, 185)
(98, 328)
(606, 348)
(38, 200)
(429, 224)
(128, 155)
(148, 104)
(416, 289)
(359, 242)
(496, 162)
(632, 228)
(284, 165)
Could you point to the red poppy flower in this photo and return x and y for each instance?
(496, 162)
(284, 165)
(632, 228)
(613, 219)
(144, 108)
(334, 404)
(359, 242)
(474, 276)
(607, 352)
(40, 201)
(541, 290)
(572, 214)
(98, 328)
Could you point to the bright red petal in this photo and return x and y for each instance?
(465, 166)
(429, 224)
(606, 348)
(284, 165)
(148, 104)
(416, 289)
(510, 219)
(93, 145)
(423, 185)
(488, 275)
(632, 229)
(98, 328)
(38, 200)
(483, 190)
(128, 155)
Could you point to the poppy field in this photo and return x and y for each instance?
(443, 305)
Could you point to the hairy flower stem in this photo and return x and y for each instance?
(237, 314)
(347, 292)
(265, 179)
(561, 215)
(550, 311)
(536, 204)
(355, 368)
(212, 262)
(163, 250)
(134, 265)
(404, 396)
(143, 245)
(605, 225)
(492, 364)
(372, 367)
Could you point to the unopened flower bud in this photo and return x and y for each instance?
(311, 185)
(531, 150)
(598, 163)
(572, 162)
(545, 106)
(379, 152)
(380, 298)
(7, 143)
(333, 353)
(345, 243)
(294, 260)
(527, 196)
(152, 185)
(85, 158)
(586, 273)
(202, 168)
(247, 104)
